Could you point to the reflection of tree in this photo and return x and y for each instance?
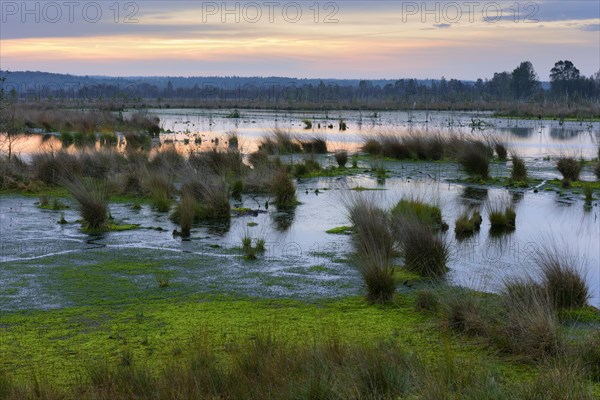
(563, 134)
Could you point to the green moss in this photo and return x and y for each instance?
(122, 227)
(341, 230)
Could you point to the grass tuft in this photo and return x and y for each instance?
(562, 278)
(424, 251)
(341, 157)
(466, 225)
(518, 172)
(569, 167)
(92, 201)
(428, 214)
(284, 190)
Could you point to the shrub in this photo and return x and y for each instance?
(424, 252)
(562, 278)
(466, 225)
(91, 197)
(341, 157)
(569, 168)
(284, 190)
(597, 170)
(307, 123)
(519, 170)
(430, 215)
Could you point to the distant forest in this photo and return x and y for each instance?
(567, 87)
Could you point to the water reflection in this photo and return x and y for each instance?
(473, 195)
(283, 218)
(564, 134)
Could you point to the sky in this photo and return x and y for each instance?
(307, 39)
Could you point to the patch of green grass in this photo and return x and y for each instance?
(341, 230)
(466, 225)
(122, 227)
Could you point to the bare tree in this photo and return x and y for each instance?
(10, 134)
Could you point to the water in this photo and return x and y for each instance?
(302, 260)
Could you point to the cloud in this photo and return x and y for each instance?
(442, 26)
(590, 28)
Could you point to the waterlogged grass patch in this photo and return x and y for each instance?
(362, 189)
(341, 230)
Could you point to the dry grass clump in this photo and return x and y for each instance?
(159, 185)
(474, 159)
(562, 278)
(416, 146)
(167, 160)
(53, 167)
(529, 326)
(228, 163)
(92, 202)
(375, 243)
(279, 141)
(372, 146)
(185, 213)
(423, 250)
(316, 145)
(464, 312)
(570, 168)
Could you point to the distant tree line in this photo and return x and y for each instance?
(567, 85)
